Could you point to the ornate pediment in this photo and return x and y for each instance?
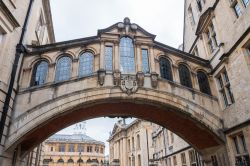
(126, 28)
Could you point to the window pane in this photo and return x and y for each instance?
(243, 143)
(145, 64)
(40, 73)
(237, 10)
(203, 83)
(109, 58)
(86, 61)
(165, 69)
(185, 77)
(127, 58)
(246, 2)
(63, 69)
(236, 145)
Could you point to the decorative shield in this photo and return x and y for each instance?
(129, 84)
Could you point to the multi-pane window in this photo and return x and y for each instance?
(175, 160)
(183, 159)
(237, 9)
(138, 142)
(127, 57)
(39, 74)
(211, 36)
(165, 69)
(246, 2)
(191, 15)
(61, 148)
(80, 148)
(185, 77)
(145, 63)
(192, 158)
(86, 63)
(71, 148)
(89, 148)
(214, 161)
(203, 82)
(240, 150)
(97, 149)
(63, 68)
(225, 88)
(109, 58)
(133, 143)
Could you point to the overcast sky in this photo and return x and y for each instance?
(82, 18)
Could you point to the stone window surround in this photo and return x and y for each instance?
(241, 4)
(223, 85)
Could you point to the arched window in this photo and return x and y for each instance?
(127, 57)
(70, 161)
(165, 68)
(203, 82)
(60, 161)
(86, 61)
(63, 68)
(185, 77)
(39, 74)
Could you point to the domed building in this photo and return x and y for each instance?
(73, 150)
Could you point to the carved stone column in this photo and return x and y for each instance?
(152, 59)
(52, 72)
(139, 57)
(102, 56)
(117, 56)
(75, 68)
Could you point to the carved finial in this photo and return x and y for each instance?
(126, 20)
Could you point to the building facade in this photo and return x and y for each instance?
(131, 144)
(219, 31)
(19, 26)
(73, 150)
(171, 150)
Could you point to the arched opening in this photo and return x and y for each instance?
(203, 82)
(39, 74)
(86, 64)
(185, 76)
(63, 69)
(165, 69)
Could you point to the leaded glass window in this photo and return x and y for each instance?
(145, 63)
(86, 61)
(237, 9)
(109, 58)
(246, 2)
(185, 78)
(39, 74)
(127, 57)
(63, 68)
(165, 69)
(203, 82)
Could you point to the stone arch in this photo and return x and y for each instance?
(161, 108)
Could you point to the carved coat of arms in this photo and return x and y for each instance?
(129, 84)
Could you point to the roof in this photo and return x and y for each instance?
(79, 138)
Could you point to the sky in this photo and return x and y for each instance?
(74, 19)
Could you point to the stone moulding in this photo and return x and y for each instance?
(117, 78)
(129, 84)
(154, 79)
(101, 76)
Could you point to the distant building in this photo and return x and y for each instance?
(73, 150)
(131, 145)
(171, 150)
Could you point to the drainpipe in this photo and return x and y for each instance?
(19, 50)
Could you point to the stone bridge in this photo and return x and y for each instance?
(121, 72)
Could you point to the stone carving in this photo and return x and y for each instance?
(154, 80)
(127, 26)
(117, 77)
(101, 76)
(140, 79)
(129, 84)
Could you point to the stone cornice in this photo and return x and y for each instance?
(4, 9)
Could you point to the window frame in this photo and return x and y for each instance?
(69, 69)
(187, 81)
(107, 67)
(34, 73)
(204, 86)
(145, 61)
(168, 68)
(86, 64)
(224, 88)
